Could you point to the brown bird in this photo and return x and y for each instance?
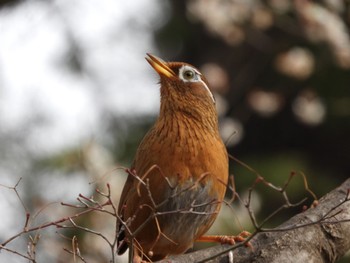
(178, 179)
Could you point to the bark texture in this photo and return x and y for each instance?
(305, 240)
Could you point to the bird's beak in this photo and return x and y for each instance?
(160, 66)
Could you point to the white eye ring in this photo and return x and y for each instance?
(189, 74)
(195, 76)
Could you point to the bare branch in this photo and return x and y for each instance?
(319, 234)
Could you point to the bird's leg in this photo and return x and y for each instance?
(137, 258)
(222, 239)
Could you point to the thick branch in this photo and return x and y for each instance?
(320, 234)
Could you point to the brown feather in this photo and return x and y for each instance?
(185, 163)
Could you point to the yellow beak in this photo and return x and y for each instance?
(160, 66)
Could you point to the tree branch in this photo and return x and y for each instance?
(319, 234)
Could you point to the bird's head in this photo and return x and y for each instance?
(183, 88)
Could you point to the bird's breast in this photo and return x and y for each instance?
(184, 152)
(184, 169)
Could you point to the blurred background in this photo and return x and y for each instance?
(77, 96)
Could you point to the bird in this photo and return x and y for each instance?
(178, 179)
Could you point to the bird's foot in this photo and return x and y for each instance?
(223, 239)
(138, 259)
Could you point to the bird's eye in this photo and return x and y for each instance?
(188, 74)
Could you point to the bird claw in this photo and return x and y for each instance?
(138, 259)
(230, 240)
